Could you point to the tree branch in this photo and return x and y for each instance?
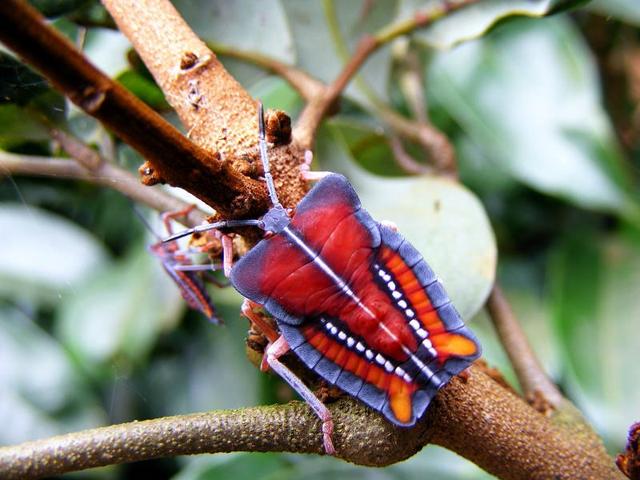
(173, 158)
(317, 109)
(106, 174)
(533, 380)
(474, 417)
(217, 111)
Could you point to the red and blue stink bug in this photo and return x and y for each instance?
(353, 300)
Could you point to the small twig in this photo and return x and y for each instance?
(404, 160)
(532, 378)
(106, 174)
(437, 145)
(173, 158)
(307, 86)
(316, 109)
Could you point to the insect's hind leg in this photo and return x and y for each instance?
(276, 350)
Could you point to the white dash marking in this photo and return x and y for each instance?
(402, 304)
(422, 333)
(396, 294)
(369, 354)
(342, 336)
(388, 367)
(415, 324)
(350, 342)
(380, 359)
(360, 347)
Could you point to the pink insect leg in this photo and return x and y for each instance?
(276, 350)
(305, 169)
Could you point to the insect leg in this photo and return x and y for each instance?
(248, 311)
(167, 216)
(276, 350)
(305, 169)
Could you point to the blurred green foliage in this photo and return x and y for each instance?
(92, 331)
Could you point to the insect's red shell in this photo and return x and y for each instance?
(358, 304)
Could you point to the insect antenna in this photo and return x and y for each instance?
(144, 221)
(274, 220)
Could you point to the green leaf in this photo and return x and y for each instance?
(54, 8)
(119, 312)
(239, 24)
(18, 83)
(595, 283)
(144, 89)
(528, 96)
(471, 21)
(440, 217)
(107, 49)
(235, 465)
(44, 257)
(42, 394)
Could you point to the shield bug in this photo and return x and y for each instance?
(353, 299)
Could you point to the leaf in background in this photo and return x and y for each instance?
(18, 83)
(472, 21)
(596, 307)
(245, 24)
(440, 217)
(211, 369)
(43, 256)
(432, 462)
(274, 92)
(41, 394)
(119, 312)
(54, 8)
(627, 11)
(143, 88)
(528, 95)
(107, 49)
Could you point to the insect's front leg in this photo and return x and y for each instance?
(274, 351)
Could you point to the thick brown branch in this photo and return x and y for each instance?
(474, 417)
(174, 159)
(217, 111)
(532, 378)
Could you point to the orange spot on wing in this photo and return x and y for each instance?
(333, 350)
(352, 362)
(342, 357)
(373, 376)
(449, 344)
(383, 381)
(400, 398)
(362, 369)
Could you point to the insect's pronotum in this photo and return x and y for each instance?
(353, 300)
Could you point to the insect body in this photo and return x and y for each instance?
(354, 301)
(358, 304)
